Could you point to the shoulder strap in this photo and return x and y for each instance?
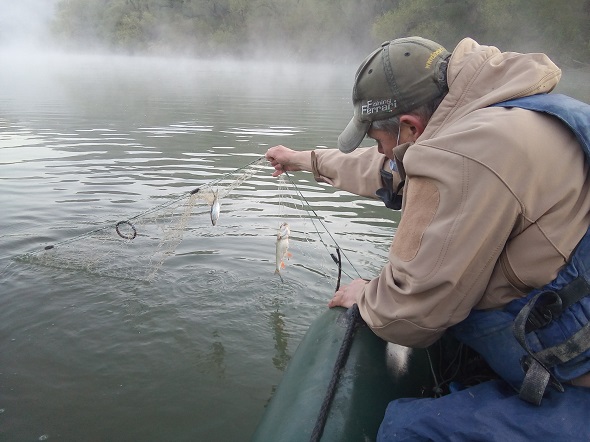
(546, 306)
(574, 113)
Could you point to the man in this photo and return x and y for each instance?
(496, 197)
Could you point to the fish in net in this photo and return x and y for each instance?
(138, 246)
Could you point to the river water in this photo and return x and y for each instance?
(196, 352)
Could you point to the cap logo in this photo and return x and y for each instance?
(374, 106)
(433, 55)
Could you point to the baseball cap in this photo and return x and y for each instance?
(396, 78)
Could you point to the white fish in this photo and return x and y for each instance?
(211, 197)
(215, 208)
(282, 248)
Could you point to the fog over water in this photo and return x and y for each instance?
(25, 25)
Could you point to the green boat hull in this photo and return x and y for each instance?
(364, 387)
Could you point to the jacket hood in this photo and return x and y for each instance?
(479, 76)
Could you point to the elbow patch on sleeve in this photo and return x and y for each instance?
(422, 200)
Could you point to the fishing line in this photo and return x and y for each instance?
(315, 215)
(288, 198)
(282, 187)
(301, 205)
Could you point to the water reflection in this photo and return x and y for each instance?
(281, 337)
(217, 355)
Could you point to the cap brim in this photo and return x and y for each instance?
(353, 135)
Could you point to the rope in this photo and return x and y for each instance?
(355, 321)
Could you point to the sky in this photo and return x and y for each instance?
(24, 24)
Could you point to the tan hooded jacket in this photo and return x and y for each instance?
(495, 199)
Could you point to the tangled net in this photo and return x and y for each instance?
(137, 247)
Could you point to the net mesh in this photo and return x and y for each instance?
(137, 247)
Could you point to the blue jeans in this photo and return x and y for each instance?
(490, 411)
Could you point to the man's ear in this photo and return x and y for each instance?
(415, 125)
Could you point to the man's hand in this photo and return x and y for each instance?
(284, 159)
(349, 294)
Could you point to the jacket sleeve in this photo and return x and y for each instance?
(357, 172)
(456, 220)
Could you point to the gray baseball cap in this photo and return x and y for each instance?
(396, 78)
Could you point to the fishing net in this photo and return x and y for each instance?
(137, 247)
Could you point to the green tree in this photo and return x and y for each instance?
(322, 29)
(557, 28)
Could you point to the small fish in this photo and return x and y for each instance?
(282, 248)
(215, 208)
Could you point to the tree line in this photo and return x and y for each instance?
(329, 30)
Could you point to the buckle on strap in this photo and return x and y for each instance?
(546, 306)
(553, 303)
(537, 375)
(537, 365)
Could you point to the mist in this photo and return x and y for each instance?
(288, 40)
(272, 30)
(25, 25)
